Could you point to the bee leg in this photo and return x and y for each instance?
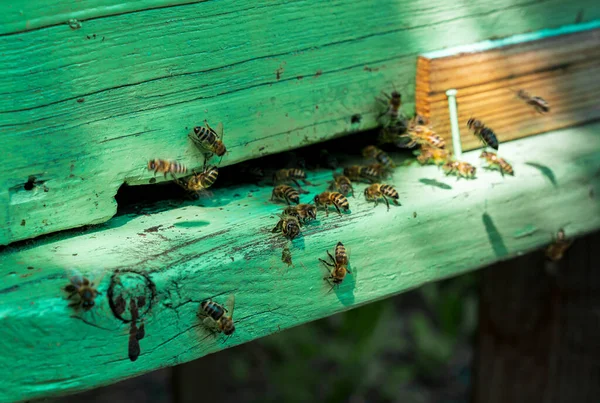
(338, 209)
(386, 202)
(75, 304)
(326, 263)
(331, 257)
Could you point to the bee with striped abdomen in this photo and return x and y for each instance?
(390, 133)
(423, 135)
(342, 184)
(369, 173)
(208, 140)
(285, 193)
(339, 265)
(199, 182)
(393, 102)
(290, 175)
(495, 162)
(217, 317)
(379, 156)
(337, 200)
(85, 291)
(485, 134)
(381, 191)
(430, 155)
(288, 225)
(557, 249)
(538, 103)
(165, 167)
(460, 168)
(304, 212)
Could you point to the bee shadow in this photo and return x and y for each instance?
(494, 236)
(435, 183)
(546, 171)
(298, 242)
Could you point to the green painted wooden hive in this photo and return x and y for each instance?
(93, 90)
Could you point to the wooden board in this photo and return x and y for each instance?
(539, 329)
(224, 245)
(84, 109)
(558, 65)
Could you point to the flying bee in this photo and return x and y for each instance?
(393, 102)
(379, 156)
(287, 193)
(353, 172)
(303, 211)
(164, 166)
(423, 135)
(437, 156)
(496, 162)
(339, 265)
(335, 199)
(290, 175)
(85, 291)
(289, 226)
(199, 182)
(538, 103)
(485, 134)
(208, 140)
(381, 191)
(460, 168)
(556, 250)
(374, 172)
(217, 317)
(342, 184)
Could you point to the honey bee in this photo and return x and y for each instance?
(538, 103)
(85, 291)
(381, 191)
(370, 173)
(209, 141)
(289, 225)
(379, 156)
(487, 135)
(342, 184)
(164, 166)
(292, 174)
(423, 135)
(556, 250)
(335, 199)
(217, 317)
(437, 156)
(286, 256)
(460, 168)
(390, 133)
(339, 265)
(496, 162)
(199, 182)
(303, 212)
(287, 193)
(393, 102)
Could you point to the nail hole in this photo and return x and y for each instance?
(355, 118)
(30, 184)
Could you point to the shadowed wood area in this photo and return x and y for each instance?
(173, 257)
(84, 108)
(560, 66)
(539, 329)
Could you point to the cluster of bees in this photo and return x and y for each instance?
(379, 166)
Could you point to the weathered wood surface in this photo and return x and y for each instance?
(192, 252)
(559, 65)
(84, 109)
(539, 329)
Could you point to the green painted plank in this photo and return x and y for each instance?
(193, 252)
(277, 74)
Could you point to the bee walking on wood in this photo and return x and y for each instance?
(557, 249)
(337, 200)
(339, 265)
(430, 155)
(218, 318)
(85, 291)
(289, 226)
(199, 182)
(303, 212)
(166, 167)
(393, 102)
(460, 168)
(495, 162)
(208, 140)
(538, 103)
(379, 156)
(291, 175)
(487, 135)
(370, 173)
(381, 191)
(341, 184)
(423, 135)
(286, 193)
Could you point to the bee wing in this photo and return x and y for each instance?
(229, 304)
(219, 130)
(74, 276)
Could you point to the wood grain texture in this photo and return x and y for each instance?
(559, 68)
(193, 252)
(85, 109)
(539, 329)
